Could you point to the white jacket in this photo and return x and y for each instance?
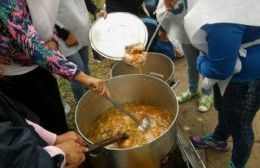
(173, 22)
(73, 16)
(44, 14)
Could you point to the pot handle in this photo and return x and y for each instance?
(107, 141)
(98, 147)
(96, 153)
(175, 85)
(158, 75)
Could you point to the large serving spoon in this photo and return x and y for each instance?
(155, 32)
(150, 42)
(143, 125)
(106, 142)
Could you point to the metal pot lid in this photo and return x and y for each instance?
(110, 36)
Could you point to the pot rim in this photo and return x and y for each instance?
(163, 55)
(174, 121)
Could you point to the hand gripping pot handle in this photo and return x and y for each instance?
(97, 148)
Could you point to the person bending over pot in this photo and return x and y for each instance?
(228, 35)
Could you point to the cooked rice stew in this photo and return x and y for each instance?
(113, 122)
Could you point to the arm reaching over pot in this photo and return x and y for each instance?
(97, 85)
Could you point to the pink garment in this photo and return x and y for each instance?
(46, 135)
(53, 150)
(50, 138)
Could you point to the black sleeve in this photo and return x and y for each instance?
(18, 148)
(62, 33)
(20, 145)
(91, 7)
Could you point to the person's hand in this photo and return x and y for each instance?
(75, 154)
(97, 85)
(71, 40)
(169, 4)
(69, 136)
(163, 35)
(52, 45)
(101, 13)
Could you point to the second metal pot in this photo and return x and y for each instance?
(157, 65)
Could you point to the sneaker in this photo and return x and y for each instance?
(207, 141)
(205, 103)
(186, 96)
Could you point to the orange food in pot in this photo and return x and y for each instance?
(135, 55)
(113, 122)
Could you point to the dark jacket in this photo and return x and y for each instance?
(20, 145)
(132, 6)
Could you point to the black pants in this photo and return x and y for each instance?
(236, 112)
(38, 90)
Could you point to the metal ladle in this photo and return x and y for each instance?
(156, 31)
(151, 40)
(105, 142)
(143, 125)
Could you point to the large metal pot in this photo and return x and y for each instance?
(157, 64)
(131, 88)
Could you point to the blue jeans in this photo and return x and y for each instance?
(191, 55)
(236, 112)
(81, 59)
